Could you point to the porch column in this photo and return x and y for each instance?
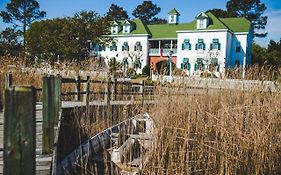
(159, 46)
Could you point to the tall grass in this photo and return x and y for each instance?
(224, 132)
(228, 132)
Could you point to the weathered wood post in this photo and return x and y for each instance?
(51, 109)
(78, 88)
(142, 93)
(115, 89)
(8, 80)
(19, 131)
(108, 105)
(86, 88)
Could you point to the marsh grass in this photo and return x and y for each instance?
(227, 132)
(230, 132)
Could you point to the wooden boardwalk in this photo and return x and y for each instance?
(43, 162)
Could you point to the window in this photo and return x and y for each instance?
(238, 47)
(201, 23)
(199, 65)
(126, 29)
(125, 46)
(172, 18)
(102, 48)
(215, 45)
(113, 47)
(214, 66)
(200, 45)
(185, 64)
(186, 45)
(138, 46)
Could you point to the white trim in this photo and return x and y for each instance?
(198, 31)
(241, 33)
(128, 35)
(156, 39)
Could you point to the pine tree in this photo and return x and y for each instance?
(251, 10)
(116, 13)
(21, 13)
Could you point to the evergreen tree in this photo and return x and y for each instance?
(251, 10)
(10, 42)
(220, 13)
(116, 13)
(21, 13)
(146, 11)
(67, 38)
(156, 20)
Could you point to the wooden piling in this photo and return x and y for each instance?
(142, 93)
(8, 80)
(78, 89)
(51, 110)
(108, 105)
(19, 131)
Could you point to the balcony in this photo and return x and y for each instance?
(156, 51)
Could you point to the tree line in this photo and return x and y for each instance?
(268, 56)
(69, 37)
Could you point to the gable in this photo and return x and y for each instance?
(202, 15)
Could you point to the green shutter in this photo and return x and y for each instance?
(211, 46)
(185, 60)
(204, 46)
(189, 46)
(219, 46)
(182, 47)
(188, 66)
(182, 65)
(195, 67)
(196, 46)
(215, 40)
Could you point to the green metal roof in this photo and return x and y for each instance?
(237, 24)
(169, 31)
(139, 28)
(174, 12)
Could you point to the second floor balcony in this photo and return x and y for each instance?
(163, 52)
(162, 47)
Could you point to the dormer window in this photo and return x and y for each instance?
(174, 16)
(202, 21)
(127, 26)
(138, 46)
(126, 29)
(125, 46)
(215, 45)
(115, 28)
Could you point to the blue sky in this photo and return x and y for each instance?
(188, 9)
